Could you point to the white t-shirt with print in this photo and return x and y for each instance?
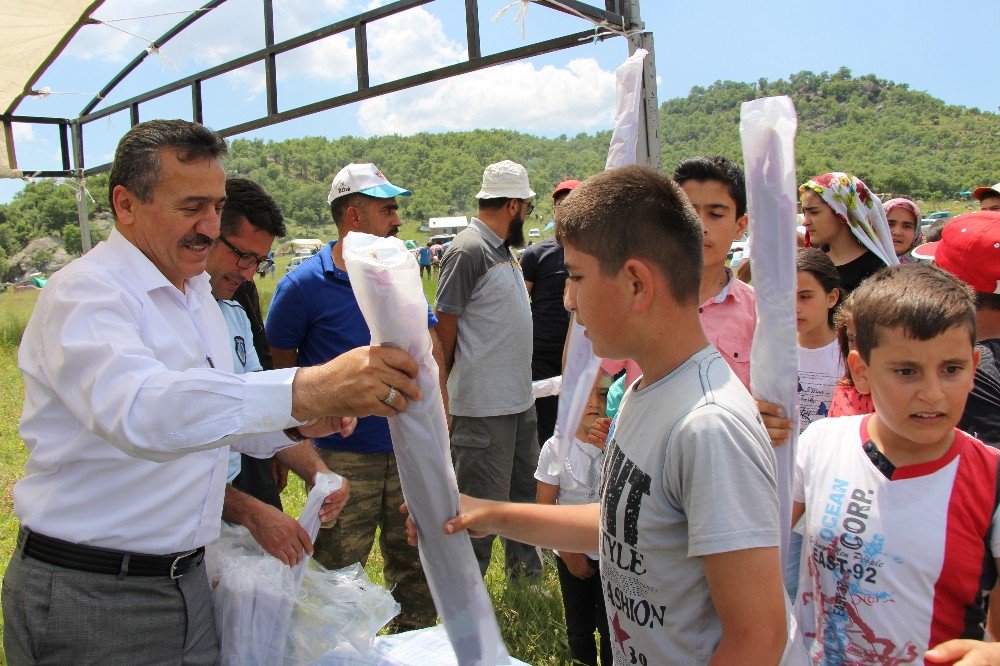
(894, 559)
(819, 371)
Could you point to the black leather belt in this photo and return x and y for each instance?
(106, 561)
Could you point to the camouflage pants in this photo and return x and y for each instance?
(375, 499)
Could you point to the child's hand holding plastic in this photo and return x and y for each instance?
(598, 433)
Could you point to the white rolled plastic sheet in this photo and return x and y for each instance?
(265, 617)
(386, 282)
(309, 519)
(578, 381)
(628, 103)
(767, 130)
(581, 364)
(546, 388)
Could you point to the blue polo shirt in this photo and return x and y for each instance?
(314, 310)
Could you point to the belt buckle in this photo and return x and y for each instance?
(173, 565)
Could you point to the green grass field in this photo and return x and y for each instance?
(530, 617)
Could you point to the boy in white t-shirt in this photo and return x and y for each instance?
(577, 483)
(687, 526)
(900, 507)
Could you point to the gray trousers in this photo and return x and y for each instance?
(53, 615)
(495, 458)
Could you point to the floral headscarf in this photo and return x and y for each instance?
(862, 212)
(918, 236)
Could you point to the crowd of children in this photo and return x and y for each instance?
(667, 520)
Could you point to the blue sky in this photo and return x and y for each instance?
(947, 50)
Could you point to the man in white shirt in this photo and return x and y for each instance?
(131, 405)
(250, 222)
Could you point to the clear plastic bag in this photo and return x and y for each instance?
(767, 129)
(264, 618)
(386, 282)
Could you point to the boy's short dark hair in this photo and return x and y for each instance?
(636, 212)
(986, 301)
(934, 231)
(717, 168)
(245, 198)
(924, 301)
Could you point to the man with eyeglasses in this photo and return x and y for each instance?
(484, 321)
(249, 224)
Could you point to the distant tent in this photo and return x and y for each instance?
(293, 246)
(966, 193)
(548, 226)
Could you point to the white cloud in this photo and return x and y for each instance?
(408, 43)
(577, 97)
(22, 133)
(329, 60)
(574, 97)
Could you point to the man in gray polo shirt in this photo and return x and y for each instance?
(484, 321)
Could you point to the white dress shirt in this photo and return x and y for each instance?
(127, 422)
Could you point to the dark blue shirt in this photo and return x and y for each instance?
(542, 264)
(314, 310)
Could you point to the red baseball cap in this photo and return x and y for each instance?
(969, 249)
(984, 191)
(565, 186)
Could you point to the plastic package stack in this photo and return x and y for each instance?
(267, 613)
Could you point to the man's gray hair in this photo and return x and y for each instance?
(137, 159)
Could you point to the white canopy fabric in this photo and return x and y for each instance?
(32, 34)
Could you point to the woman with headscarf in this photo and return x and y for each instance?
(904, 225)
(845, 220)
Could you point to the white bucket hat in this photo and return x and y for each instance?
(505, 180)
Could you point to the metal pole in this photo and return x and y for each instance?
(648, 149)
(81, 181)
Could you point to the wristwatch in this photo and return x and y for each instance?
(294, 434)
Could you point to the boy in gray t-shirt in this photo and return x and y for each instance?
(687, 527)
(689, 473)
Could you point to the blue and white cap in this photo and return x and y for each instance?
(364, 179)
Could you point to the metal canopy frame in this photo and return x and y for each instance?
(617, 13)
(622, 15)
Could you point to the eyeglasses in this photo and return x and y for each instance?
(530, 206)
(247, 259)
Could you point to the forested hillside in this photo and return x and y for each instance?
(896, 139)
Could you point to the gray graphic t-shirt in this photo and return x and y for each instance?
(688, 472)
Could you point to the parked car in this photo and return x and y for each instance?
(534, 233)
(442, 239)
(294, 262)
(737, 247)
